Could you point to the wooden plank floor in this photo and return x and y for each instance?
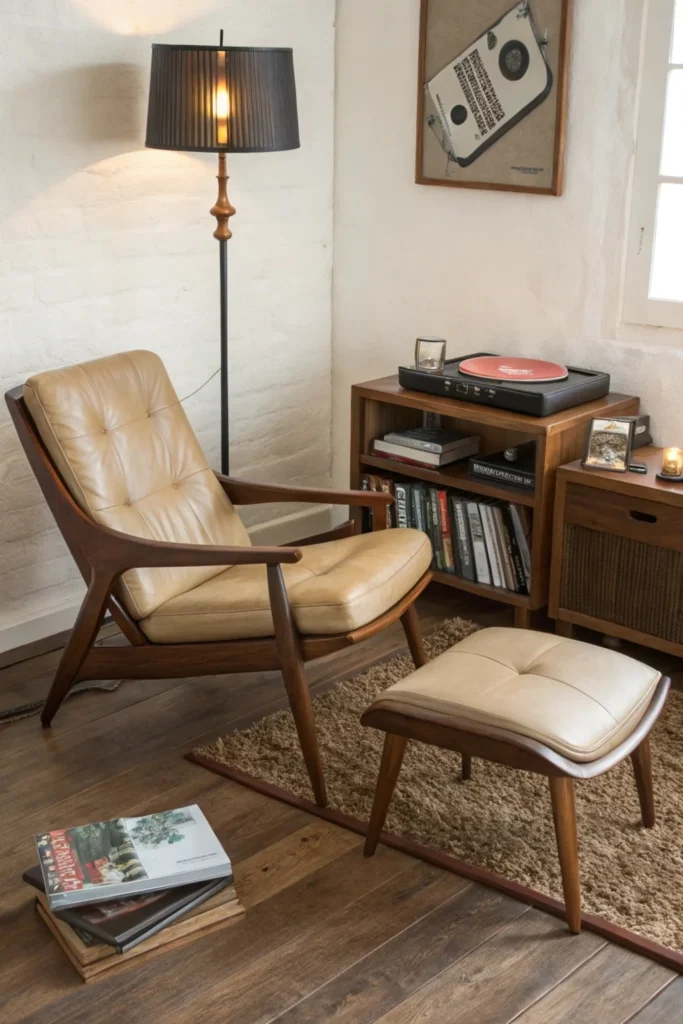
(328, 935)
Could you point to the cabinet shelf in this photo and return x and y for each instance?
(454, 476)
(483, 589)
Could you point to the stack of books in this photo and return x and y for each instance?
(426, 447)
(121, 891)
(480, 539)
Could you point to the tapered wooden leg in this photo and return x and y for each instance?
(392, 756)
(466, 767)
(642, 769)
(411, 627)
(522, 618)
(566, 629)
(296, 683)
(81, 640)
(564, 816)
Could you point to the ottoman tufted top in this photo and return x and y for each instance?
(578, 699)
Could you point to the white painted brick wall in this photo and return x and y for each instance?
(106, 246)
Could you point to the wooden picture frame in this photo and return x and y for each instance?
(514, 136)
(593, 461)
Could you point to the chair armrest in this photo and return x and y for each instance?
(118, 552)
(243, 492)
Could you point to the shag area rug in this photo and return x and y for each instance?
(500, 820)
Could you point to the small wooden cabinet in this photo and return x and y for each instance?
(617, 562)
(380, 406)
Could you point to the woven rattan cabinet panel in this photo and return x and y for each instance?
(625, 581)
(617, 558)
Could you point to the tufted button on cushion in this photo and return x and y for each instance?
(121, 474)
(580, 700)
(335, 588)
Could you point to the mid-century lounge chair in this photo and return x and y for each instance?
(157, 539)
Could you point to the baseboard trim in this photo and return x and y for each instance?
(46, 632)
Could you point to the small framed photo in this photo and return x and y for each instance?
(609, 444)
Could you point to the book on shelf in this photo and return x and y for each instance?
(484, 540)
(481, 559)
(373, 482)
(496, 469)
(462, 533)
(417, 457)
(93, 959)
(123, 857)
(428, 439)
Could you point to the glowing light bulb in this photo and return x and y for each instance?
(222, 104)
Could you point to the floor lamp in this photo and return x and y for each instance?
(222, 99)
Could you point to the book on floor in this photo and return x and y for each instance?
(124, 923)
(125, 857)
(94, 959)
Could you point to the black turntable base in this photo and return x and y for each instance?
(541, 399)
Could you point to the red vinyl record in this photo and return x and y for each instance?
(508, 368)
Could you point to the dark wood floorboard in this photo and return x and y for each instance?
(328, 935)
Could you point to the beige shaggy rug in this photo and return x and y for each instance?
(501, 820)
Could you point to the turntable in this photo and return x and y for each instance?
(520, 385)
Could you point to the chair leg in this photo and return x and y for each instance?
(642, 769)
(466, 769)
(81, 640)
(392, 757)
(296, 684)
(564, 816)
(411, 627)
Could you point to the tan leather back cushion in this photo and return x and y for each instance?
(124, 447)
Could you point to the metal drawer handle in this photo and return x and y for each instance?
(642, 517)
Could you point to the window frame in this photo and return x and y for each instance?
(638, 307)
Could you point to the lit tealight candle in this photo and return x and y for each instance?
(672, 462)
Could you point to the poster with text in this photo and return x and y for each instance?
(493, 94)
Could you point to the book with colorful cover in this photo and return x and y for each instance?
(124, 857)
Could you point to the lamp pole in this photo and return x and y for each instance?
(223, 210)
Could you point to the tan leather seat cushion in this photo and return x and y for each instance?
(121, 440)
(336, 587)
(580, 700)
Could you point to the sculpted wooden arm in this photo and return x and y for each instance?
(115, 552)
(243, 492)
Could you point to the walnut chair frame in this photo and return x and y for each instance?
(103, 555)
(502, 746)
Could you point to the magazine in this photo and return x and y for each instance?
(110, 860)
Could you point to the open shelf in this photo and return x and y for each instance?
(454, 475)
(381, 407)
(483, 589)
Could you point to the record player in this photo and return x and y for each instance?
(513, 389)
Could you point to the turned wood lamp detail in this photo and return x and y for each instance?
(222, 99)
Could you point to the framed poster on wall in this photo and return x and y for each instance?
(492, 94)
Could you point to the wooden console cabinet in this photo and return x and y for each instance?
(380, 406)
(617, 563)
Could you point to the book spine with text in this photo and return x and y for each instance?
(491, 545)
(522, 541)
(401, 506)
(498, 475)
(514, 552)
(446, 539)
(504, 541)
(462, 532)
(478, 546)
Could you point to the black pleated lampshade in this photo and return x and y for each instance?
(222, 99)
